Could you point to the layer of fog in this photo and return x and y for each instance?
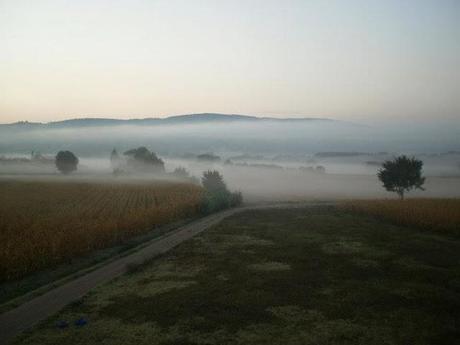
(266, 137)
(265, 158)
(259, 184)
(291, 183)
(435, 165)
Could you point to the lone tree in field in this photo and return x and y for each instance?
(66, 162)
(401, 175)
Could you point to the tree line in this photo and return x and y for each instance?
(399, 175)
(217, 195)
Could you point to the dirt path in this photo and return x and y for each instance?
(17, 320)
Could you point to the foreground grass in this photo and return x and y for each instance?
(293, 276)
(429, 214)
(43, 224)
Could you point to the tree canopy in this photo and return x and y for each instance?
(218, 197)
(144, 160)
(213, 182)
(66, 162)
(402, 174)
(181, 173)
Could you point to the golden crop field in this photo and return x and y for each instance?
(45, 223)
(430, 214)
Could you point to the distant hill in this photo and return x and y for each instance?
(230, 134)
(178, 119)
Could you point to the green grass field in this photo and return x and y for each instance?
(293, 276)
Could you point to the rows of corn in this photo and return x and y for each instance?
(430, 214)
(46, 223)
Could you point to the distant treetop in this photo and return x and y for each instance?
(142, 159)
(66, 162)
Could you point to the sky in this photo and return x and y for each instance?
(132, 59)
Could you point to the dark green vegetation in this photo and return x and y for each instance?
(66, 162)
(217, 195)
(141, 159)
(402, 174)
(292, 276)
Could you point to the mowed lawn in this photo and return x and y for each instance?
(286, 276)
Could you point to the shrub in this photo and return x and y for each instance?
(217, 195)
(214, 202)
(236, 199)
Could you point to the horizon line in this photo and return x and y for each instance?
(256, 117)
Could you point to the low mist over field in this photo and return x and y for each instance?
(266, 158)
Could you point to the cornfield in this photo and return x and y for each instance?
(430, 214)
(46, 223)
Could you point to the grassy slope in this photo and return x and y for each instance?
(297, 276)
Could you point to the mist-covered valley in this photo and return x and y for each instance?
(266, 159)
(199, 133)
(229, 172)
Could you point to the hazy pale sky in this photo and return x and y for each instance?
(338, 59)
